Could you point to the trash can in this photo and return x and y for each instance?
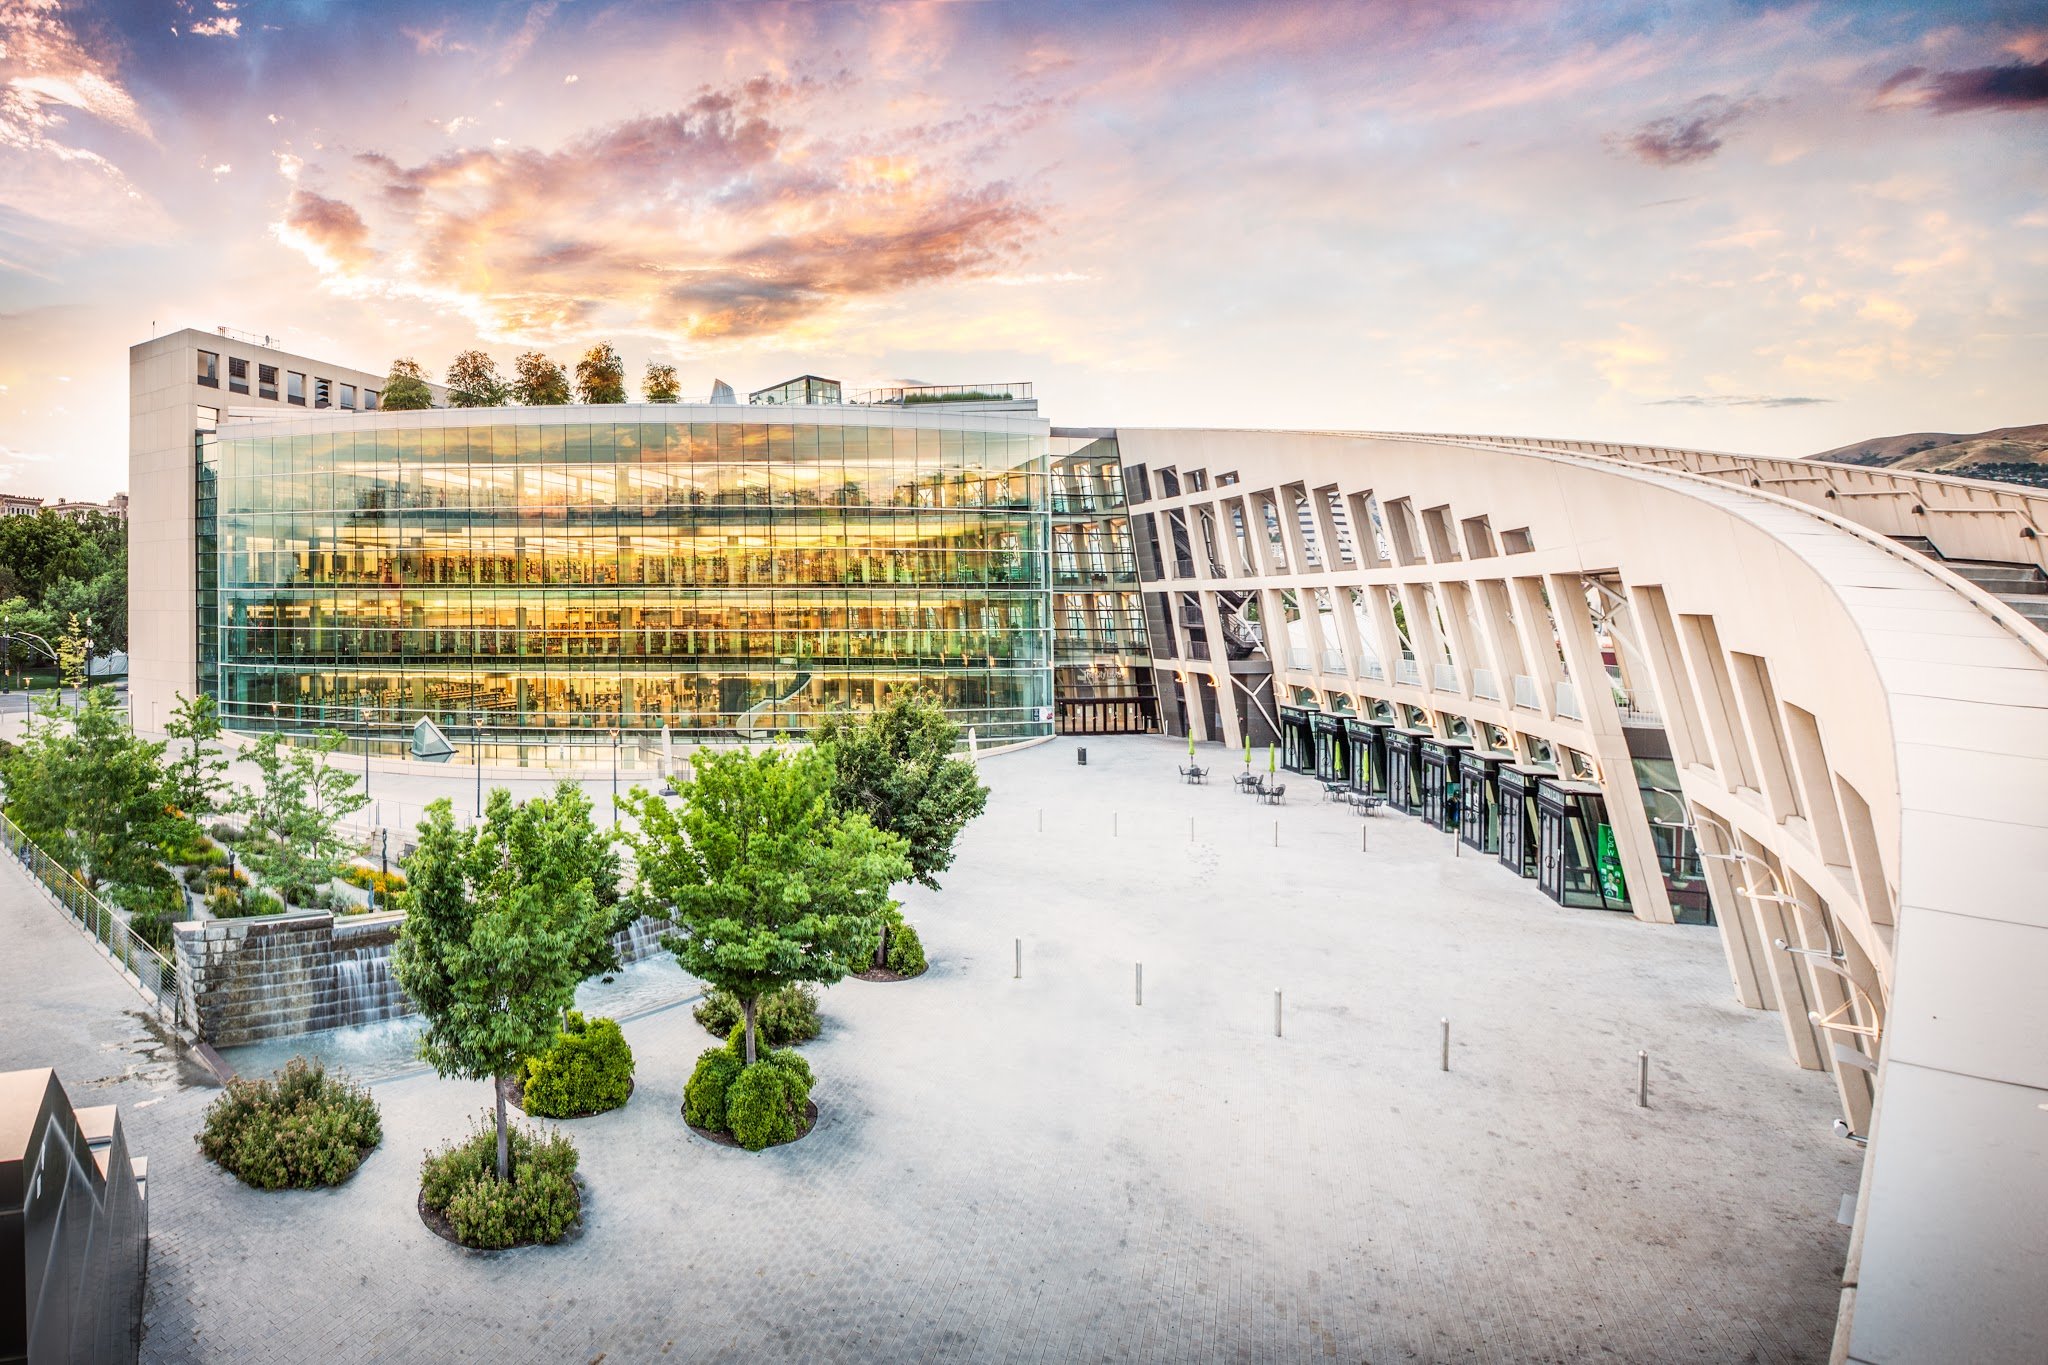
(1081, 755)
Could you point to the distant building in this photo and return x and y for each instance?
(19, 505)
(79, 511)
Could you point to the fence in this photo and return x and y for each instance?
(155, 973)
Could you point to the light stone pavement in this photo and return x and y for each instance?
(1039, 1170)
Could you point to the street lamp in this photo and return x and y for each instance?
(366, 753)
(615, 777)
(476, 752)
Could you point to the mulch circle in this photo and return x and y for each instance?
(728, 1140)
(884, 974)
(440, 1226)
(515, 1095)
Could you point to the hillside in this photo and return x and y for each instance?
(2017, 454)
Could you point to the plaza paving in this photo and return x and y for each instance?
(1037, 1169)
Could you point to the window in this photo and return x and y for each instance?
(323, 393)
(295, 387)
(209, 369)
(266, 381)
(209, 418)
(348, 396)
(369, 400)
(238, 374)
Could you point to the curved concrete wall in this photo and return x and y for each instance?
(1861, 739)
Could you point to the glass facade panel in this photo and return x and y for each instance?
(558, 580)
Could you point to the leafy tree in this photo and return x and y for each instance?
(99, 604)
(405, 389)
(765, 882)
(85, 788)
(539, 382)
(898, 765)
(500, 919)
(21, 618)
(474, 382)
(658, 385)
(74, 651)
(196, 780)
(294, 811)
(601, 375)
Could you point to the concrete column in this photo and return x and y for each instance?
(1647, 896)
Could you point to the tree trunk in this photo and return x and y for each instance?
(882, 949)
(504, 1142)
(749, 1005)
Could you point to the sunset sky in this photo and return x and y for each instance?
(1750, 226)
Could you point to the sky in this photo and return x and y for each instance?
(1733, 224)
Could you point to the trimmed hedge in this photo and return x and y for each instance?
(906, 951)
(759, 1105)
(587, 1071)
(540, 1203)
(784, 1018)
(299, 1129)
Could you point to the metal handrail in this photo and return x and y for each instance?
(153, 972)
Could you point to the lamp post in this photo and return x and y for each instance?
(366, 753)
(615, 777)
(476, 750)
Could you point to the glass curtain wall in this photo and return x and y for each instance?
(714, 577)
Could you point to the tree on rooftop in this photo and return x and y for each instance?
(474, 382)
(539, 382)
(405, 388)
(500, 920)
(658, 385)
(601, 375)
(765, 882)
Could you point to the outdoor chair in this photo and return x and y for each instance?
(1274, 796)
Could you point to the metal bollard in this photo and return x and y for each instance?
(1041, 819)
(1447, 1042)
(1361, 838)
(1276, 834)
(1113, 818)
(1139, 981)
(1191, 829)
(1642, 1080)
(1276, 1013)
(1019, 974)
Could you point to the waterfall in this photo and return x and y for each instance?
(640, 940)
(364, 989)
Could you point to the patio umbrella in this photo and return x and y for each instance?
(1247, 753)
(1272, 760)
(1191, 744)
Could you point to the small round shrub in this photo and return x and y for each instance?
(262, 903)
(539, 1203)
(906, 951)
(298, 1129)
(704, 1095)
(784, 1017)
(196, 879)
(224, 902)
(758, 1105)
(587, 1071)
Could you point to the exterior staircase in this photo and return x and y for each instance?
(2023, 587)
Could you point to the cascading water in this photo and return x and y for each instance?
(640, 940)
(364, 989)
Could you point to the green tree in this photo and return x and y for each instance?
(405, 388)
(294, 810)
(899, 765)
(21, 619)
(539, 382)
(765, 881)
(474, 382)
(91, 793)
(500, 919)
(658, 385)
(196, 780)
(74, 652)
(601, 375)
